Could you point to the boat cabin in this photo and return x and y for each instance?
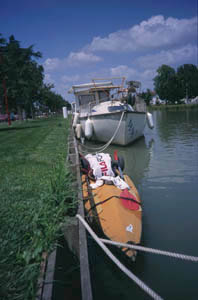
(91, 94)
(94, 93)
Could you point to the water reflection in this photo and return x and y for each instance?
(175, 157)
(137, 157)
(174, 124)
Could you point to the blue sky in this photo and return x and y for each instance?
(81, 40)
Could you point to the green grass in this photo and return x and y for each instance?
(35, 198)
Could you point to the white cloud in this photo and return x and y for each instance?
(156, 32)
(73, 59)
(148, 74)
(185, 54)
(144, 76)
(123, 70)
(76, 58)
(166, 41)
(51, 64)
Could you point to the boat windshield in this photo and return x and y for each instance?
(103, 96)
(86, 99)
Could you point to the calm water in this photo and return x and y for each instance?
(164, 167)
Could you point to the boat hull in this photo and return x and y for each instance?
(117, 222)
(104, 126)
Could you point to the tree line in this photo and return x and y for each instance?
(174, 85)
(22, 86)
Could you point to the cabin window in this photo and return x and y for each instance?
(86, 99)
(103, 96)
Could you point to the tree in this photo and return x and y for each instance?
(166, 84)
(23, 76)
(51, 100)
(174, 86)
(3, 79)
(32, 85)
(187, 75)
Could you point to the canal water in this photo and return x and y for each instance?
(164, 168)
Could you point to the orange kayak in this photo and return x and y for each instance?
(117, 222)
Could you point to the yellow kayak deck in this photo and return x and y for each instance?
(117, 222)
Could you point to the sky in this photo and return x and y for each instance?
(82, 39)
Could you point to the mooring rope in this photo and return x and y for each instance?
(139, 282)
(104, 147)
(151, 250)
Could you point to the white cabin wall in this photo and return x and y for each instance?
(77, 103)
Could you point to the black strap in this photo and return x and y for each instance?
(107, 199)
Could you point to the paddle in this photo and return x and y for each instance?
(128, 200)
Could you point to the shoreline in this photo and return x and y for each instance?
(172, 107)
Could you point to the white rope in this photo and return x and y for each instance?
(104, 147)
(140, 283)
(151, 250)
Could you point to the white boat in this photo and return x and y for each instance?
(106, 111)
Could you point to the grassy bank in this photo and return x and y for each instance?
(35, 193)
(173, 107)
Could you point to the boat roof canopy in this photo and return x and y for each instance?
(81, 87)
(98, 88)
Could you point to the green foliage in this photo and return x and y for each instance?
(173, 86)
(188, 78)
(52, 100)
(36, 196)
(165, 83)
(23, 78)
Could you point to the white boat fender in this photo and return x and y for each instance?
(75, 120)
(89, 128)
(149, 119)
(78, 131)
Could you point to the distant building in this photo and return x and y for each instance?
(156, 100)
(194, 100)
